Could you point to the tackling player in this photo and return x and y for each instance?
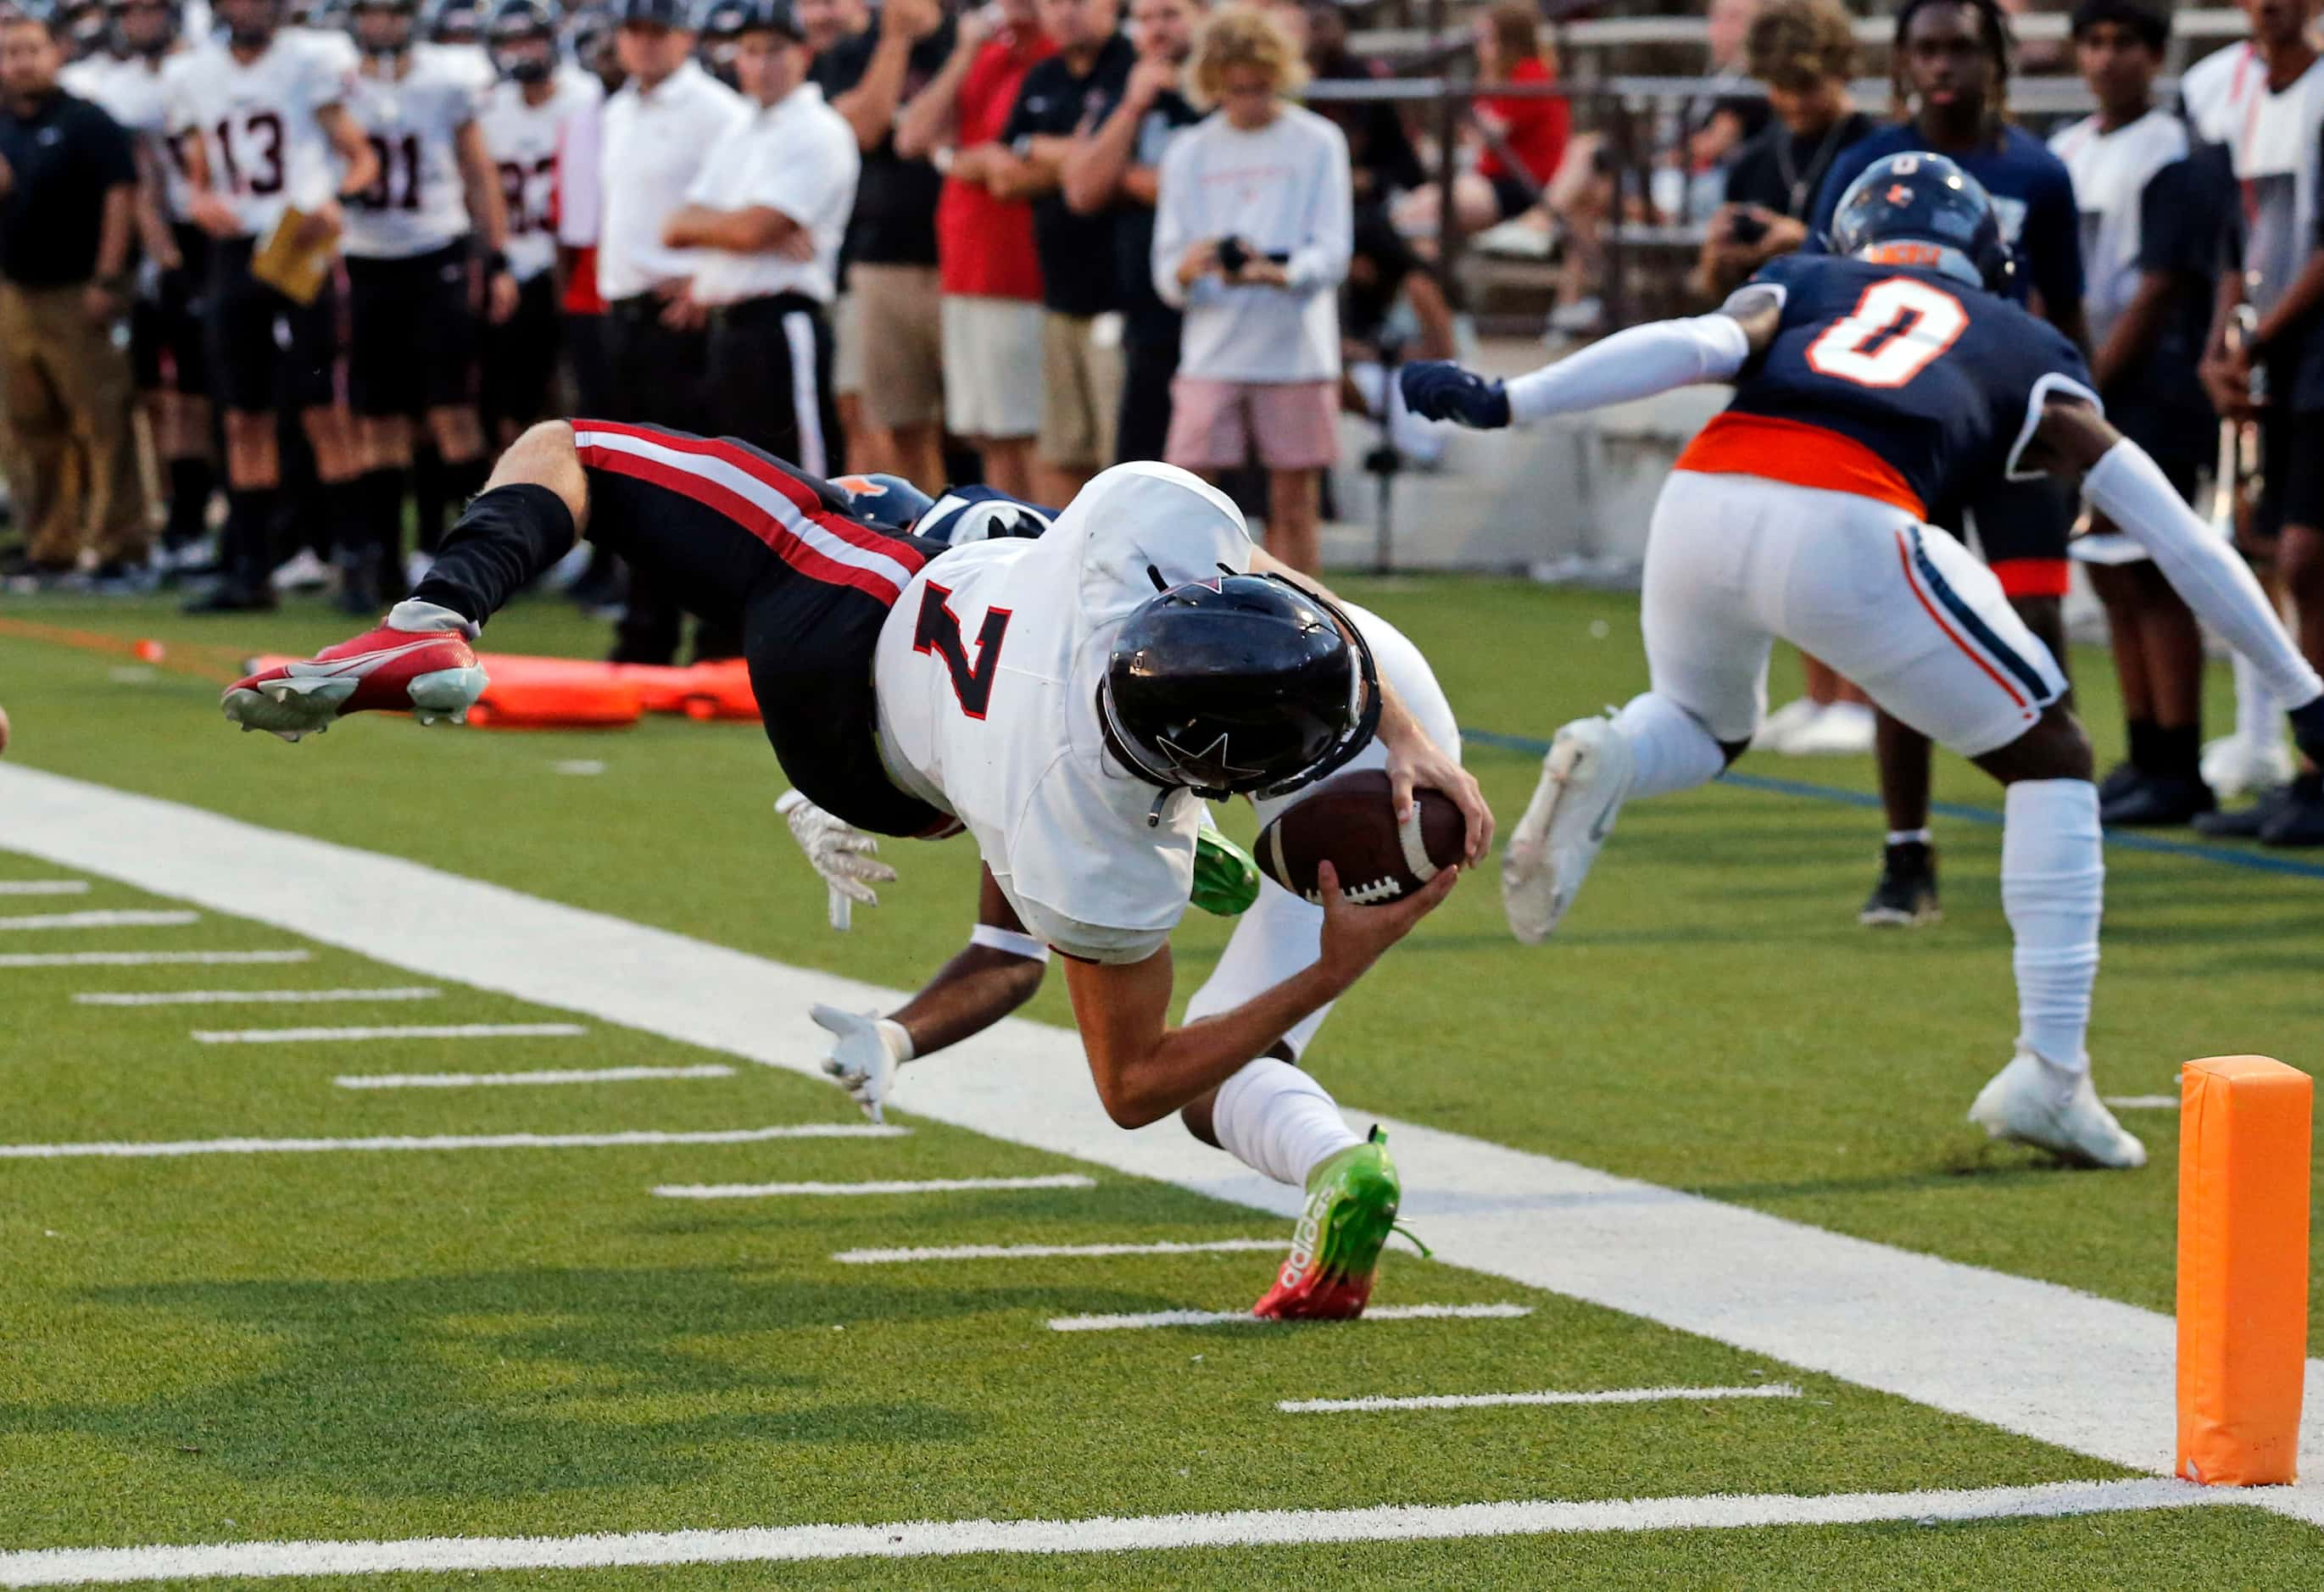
(524, 121)
(1069, 699)
(258, 119)
(412, 315)
(1869, 383)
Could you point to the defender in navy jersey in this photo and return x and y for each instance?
(1869, 386)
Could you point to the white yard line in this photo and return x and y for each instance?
(138, 1150)
(493, 1079)
(249, 997)
(406, 1031)
(1489, 1401)
(1148, 1319)
(76, 1566)
(2048, 1362)
(2142, 1103)
(43, 887)
(150, 958)
(1052, 1251)
(118, 919)
(931, 1185)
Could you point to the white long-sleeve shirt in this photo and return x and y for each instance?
(1283, 189)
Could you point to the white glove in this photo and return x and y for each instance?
(866, 1050)
(846, 857)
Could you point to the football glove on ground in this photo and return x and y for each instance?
(1442, 389)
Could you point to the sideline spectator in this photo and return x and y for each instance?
(892, 334)
(985, 258)
(1380, 156)
(1114, 172)
(1533, 129)
(1081, 320)
(767, 211)
(1719, 121)
(1252, 236)
(2154, 216)
(68, 200)
(1384, 270)
(825, 22)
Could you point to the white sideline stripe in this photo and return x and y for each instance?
(43, 887)
(1050, 1251)
(114, 919)
(1243, 1318)
(932, 1185)
(1485, 1400)
(566, 1075)
(253, 997)
(142, 1150)
(2142, 1103)
(2042, 1360)
(149, 958)
(408, 1031)
(1246, 1528)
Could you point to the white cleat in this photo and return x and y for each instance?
(1583, 781)
(1776, 730)
(2236, 765)
(1842, 730)
(2031, 1102)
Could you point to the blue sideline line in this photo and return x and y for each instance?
(2128, 839)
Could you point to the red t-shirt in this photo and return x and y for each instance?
(984, 245)
(1536, 130)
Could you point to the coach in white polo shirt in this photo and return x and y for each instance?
(658, 131)
(765, 214)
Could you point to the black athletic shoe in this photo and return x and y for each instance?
(2156, 801)
(233, 597)
(1906, 895)
(2244, 823)
(2120, 781)
(2297, 820)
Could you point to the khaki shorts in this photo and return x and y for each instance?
(1219, 425)
(993, 365)
(846, 347)
(900, 343)
(1081, 389)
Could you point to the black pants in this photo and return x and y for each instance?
(770, 380)
(1149, 359)
(656, 376)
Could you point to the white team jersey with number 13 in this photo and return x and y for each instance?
(416, 203)
(987, 673)
(256, 121)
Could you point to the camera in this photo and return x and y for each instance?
(1234, 255)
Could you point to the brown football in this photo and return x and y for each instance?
(1348, 822)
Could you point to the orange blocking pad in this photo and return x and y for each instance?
(2245, 1130)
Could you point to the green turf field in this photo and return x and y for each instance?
(469, 1342)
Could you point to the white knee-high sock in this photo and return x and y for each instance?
(1274, 1118)
(2052, 890)
(1672, 749)
(2259, 717)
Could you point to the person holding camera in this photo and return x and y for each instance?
(1252, 231)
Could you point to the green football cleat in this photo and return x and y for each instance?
(1352, 1200)
(1226, 880)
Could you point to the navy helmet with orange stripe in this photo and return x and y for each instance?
(1923, 209)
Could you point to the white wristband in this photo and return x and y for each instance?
(1009, 940)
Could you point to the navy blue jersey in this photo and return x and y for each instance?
(1935, 380)
(2033, 198)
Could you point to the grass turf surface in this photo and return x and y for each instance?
(523, 1340)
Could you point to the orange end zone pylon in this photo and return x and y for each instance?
(2245, 1130)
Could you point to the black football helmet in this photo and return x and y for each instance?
(1922, 209)
(663, 14)
(519, 22)
(391, 37)
(1241, 683)
(452, 22)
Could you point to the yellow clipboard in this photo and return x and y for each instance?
(294, 272)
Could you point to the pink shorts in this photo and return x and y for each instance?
(1216, 425)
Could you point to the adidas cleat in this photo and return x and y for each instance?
(1352, 1200)
(2031, 1102)
(1583, 781)
(418, 662)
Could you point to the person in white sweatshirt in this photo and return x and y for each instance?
(1252, 230)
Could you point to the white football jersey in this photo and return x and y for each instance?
(471, 62)
(416, 203)
(133, 94)
(987, 675)
(523, 140)
(2111, 171)
(256, 121)
(89, 79)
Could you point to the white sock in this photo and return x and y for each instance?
(2259, 717)
(1672, 749)
(412, 614)
(2052, 890)
(1274, 1118)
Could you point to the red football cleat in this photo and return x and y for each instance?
(428, 669)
